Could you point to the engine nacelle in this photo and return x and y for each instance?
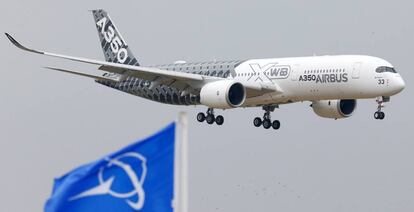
(223, 94)
(335, 109)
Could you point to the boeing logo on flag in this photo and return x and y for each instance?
(139, 177)
(104, 187)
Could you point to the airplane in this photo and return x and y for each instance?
(332, 84)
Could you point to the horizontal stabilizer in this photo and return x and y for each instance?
(85, 75)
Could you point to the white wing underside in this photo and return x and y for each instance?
(179, 80)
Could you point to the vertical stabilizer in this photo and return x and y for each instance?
(114, 47)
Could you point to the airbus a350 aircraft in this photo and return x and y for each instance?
(331, 83)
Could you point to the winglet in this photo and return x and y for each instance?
(20, 46)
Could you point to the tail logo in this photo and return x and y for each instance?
(115, 41)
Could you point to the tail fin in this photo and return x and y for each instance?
(114, 47)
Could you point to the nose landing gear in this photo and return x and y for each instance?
(379, 115)
(266, 122)
(210, 118)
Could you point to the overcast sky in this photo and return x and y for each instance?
(52, 122)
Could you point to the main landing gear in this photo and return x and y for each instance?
(266, 122)
(379, 115)
(210, 118)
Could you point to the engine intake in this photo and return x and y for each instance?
(223, 94)
(335, 109)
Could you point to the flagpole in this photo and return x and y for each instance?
(181, 177)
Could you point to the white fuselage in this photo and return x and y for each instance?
(319, 78)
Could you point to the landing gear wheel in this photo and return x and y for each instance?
(257, 122)
(382, 115)
(379, 115)
(276, 124)
(219, 120)
(267, 124)
(210, 119)
(201, 117)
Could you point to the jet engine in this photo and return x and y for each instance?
(335, 109)
(224, 94)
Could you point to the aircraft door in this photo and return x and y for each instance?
(356, 70)
(295, 72)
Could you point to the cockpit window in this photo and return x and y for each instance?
(384, 69)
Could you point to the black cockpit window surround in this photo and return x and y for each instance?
(384, 69)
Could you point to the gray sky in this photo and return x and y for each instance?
(52, 122)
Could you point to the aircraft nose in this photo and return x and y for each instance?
(399, 84)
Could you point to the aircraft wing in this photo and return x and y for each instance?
(156, 75)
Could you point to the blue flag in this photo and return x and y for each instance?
(139, 177)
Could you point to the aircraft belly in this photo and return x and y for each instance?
(160, 93)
